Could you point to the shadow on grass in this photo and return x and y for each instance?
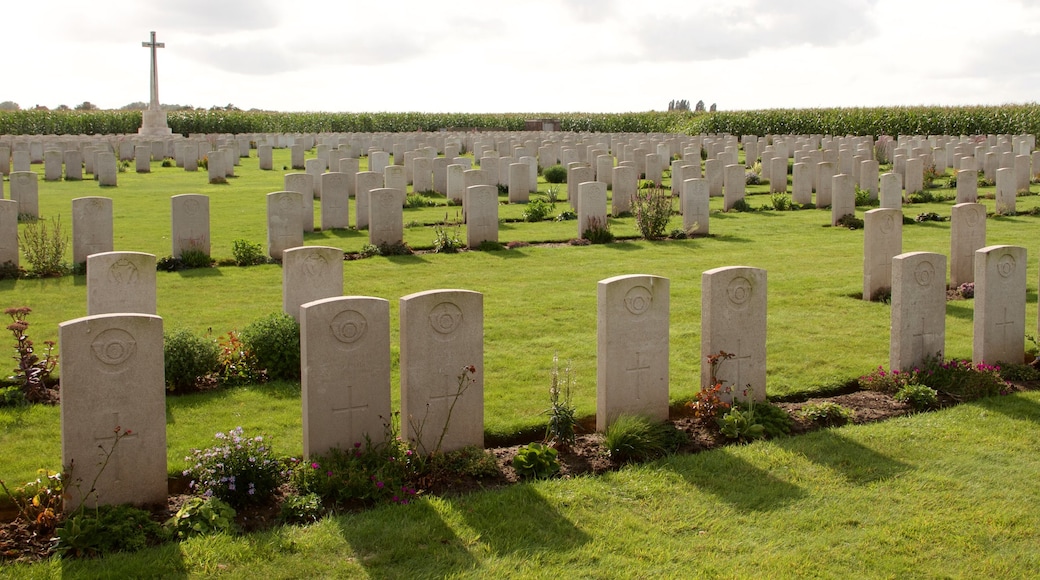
(342, 233)
(1011, 406)
(737, 482)
(164, 561)
(961, 309)
(410, 538)
(199, 273)
(189, 402)
(732, 239)
(858, 464)
(535, 525)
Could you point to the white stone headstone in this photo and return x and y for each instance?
(882, 241)
(310, 273)
(967, 235)
(1000, 305)
(121, 282)
(481, 214)
(385, 215)
(189, 223)
(284, 222)
(733, 320)
(9, 232)
(918, 309)
(91, 227)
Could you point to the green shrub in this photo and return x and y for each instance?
(537, 461)
(1019, 373)
(108, 529)
(447, 241)
(202, 516)
(636, 438)
(863, 198)
(889, 382)
(187, 357)
(537, 210)
(236, 365)
(780, 201)
(741, 205)
(368, 473)
(567, 215)
(469, 461)
(247, 253)
(961, 379)
(274, 342)
(774, 420)
(850, 221)
(826, 413)
(240, 470)
(301, 509)
(652, 209)
(194, 258)
(563, 420)
(920, 397)
(44, 248)
(555, 174)
(415, 200)
(597, 231)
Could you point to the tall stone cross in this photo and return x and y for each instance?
(153, 101)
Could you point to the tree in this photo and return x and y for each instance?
(86, 106)
(62, 108)
(9, 106)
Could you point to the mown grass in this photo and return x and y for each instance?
(538, 300)
(945, 494)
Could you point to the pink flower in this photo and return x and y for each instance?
(315, 466)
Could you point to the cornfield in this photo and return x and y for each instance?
(1006, 119)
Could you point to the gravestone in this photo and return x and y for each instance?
(918, 309)
(632, 348)
(120, 282)
(1006, 191)
(575, 176)
(1000, 305)
(284, 222)
(52, 160)
(605, 169)
(335, 200)
(189, 223)
(9, 232)
(216, 166)
(456, 183)
(378, 161)
(882, 241)
(914, 178)
(967, 235)
(843, 197)
(825, 171)
(314, 168)
(345, 372)
(143, 159)
(265, 154)
(624, 184)
(442, 340)
(113, 386)
(519, 187)
(422, 174)
(191, 156)
(801, 184)
(364, 183)
(967, 186)
(394, 178)
(20, 160)
(1021, 169)
(481, 214)
(778, 175)
(296, 157)
(310, 273)
(714, 175)
(733, 320)
(25, 190)
(868, 177)
(73, 165)
(350, 166)
(303, 184)
(653, 168)
(891, 191)
(91, 227)
(5, 160)
(734, 185)
(695, 206)
(385, 215)
(592, 206)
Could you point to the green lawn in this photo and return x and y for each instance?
(950, 494)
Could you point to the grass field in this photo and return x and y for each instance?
(538, 300)
(949, 494)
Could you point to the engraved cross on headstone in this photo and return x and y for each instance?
(153, 101)
(1006, 324)
(105, 436)
(638, 367)
(353, 412)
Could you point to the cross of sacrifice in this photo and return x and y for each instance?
(153, 100)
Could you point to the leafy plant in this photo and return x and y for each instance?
(39, 502)
(637, 438)
(240, 470)
(274, 342)
(775, 421)
(44, 248)
(889, 382)
(247, 253)
(465, 380)
(652, 209)
(301, 509)
(202, 516)
(739, 423)
(752, 178)
(827, 413)
(597, 231)
(1019, 373)
(446, 242)
(368, 473)
(552, 194)
(966, 290)
(563, 419)
(850, 221)
(741, 205)
(415, 200)
(929, 216)
(708, 405)
(195, 258)
(863, 198)
(961, 379)
(394, 249)
(567, 215)
(108, 529)
(537, 461)
(537, 210)
(32, 372)
(235, 364)
(780, 201)
(555, 174)
(920, 397)
(188, 357)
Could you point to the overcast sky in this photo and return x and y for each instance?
(523, 55)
